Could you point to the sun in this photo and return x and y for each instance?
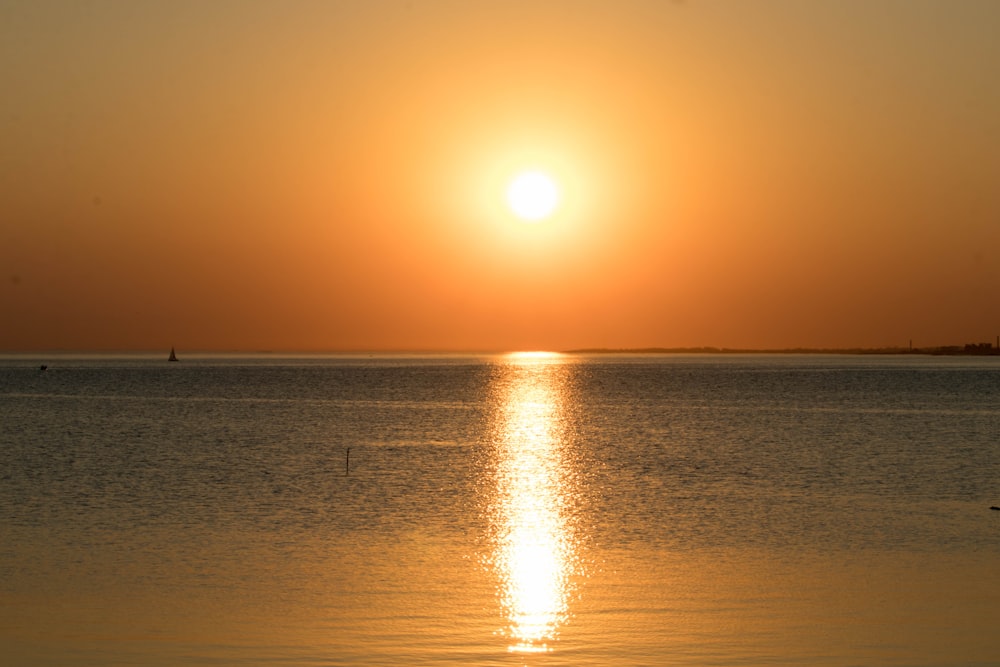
(533, 195)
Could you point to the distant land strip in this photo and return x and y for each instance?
(972, 349)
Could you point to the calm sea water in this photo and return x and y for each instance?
(517, 510)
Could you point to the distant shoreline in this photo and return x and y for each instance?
(978, 350)
(982, 350)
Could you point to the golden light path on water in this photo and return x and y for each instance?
(534, 543)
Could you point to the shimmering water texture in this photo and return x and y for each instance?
(516, 510)
(535, 551)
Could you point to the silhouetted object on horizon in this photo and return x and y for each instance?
(42, 368)
(173, 356)
(994, 507)
(347, 463)
(979, 348)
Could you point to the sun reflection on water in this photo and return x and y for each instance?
(534, 551)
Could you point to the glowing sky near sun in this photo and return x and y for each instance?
(333, 176)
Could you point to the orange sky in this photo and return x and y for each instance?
(253, 175)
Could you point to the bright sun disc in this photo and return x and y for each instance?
(533, 195)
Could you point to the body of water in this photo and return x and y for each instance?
(510, 510)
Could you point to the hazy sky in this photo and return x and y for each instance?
(254, 175)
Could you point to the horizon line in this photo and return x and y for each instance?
(981, 349)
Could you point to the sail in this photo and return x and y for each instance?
(173, 355)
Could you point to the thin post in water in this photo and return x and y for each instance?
(347, 462)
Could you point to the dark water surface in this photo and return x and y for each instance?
(517, 510)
